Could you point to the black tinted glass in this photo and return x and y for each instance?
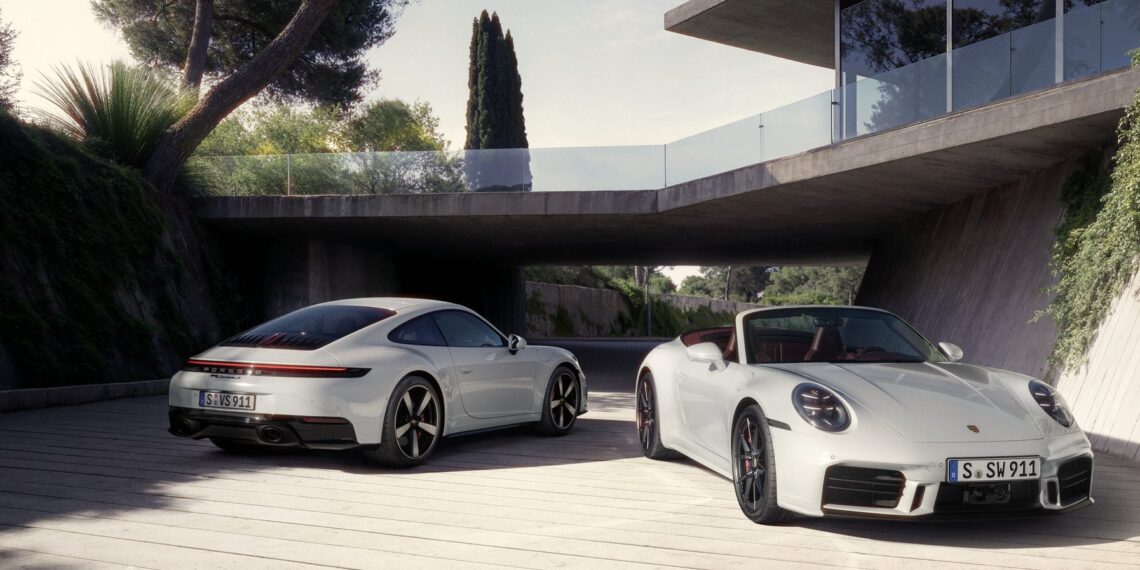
(421, 331)
(311, 327)
(466, 330)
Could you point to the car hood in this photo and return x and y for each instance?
(930, 403)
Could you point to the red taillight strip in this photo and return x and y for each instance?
(286, 369)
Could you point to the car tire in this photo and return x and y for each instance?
(562, 399)
(413, 425)
(648, 422)
(754, 468)
(235, 446)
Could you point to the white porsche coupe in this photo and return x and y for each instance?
(849, 411)
(389, 375)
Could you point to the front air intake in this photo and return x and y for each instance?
(862, 487)
(1075, 480)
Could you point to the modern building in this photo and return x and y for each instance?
(901, 61)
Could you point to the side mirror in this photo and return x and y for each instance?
(953, 351)
(706, 352)
(515, 343)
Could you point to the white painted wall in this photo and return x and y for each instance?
(1105, 393)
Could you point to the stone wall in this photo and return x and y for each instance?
(572, 311)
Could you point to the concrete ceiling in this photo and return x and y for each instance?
(823, 206)
(799, 30)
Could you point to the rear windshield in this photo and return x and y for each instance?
(311, 327)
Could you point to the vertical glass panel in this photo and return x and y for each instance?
(886, 100)
(981, 72)
(597, 168)
(1082, 41)
(718, 150)
(794, 128)
(932, 86)
(498, 170)
(1033, 59)
(1120, 33)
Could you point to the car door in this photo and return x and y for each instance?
(492, 381)
(706, 390)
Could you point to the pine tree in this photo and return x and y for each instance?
(495, 111)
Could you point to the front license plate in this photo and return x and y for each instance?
(226, 400)
(992, 469)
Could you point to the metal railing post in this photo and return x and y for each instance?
(288, 175)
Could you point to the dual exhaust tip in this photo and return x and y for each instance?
(185, 428)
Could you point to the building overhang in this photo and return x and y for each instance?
(823, 206)
(799, 30)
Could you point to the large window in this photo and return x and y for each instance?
(892, 61)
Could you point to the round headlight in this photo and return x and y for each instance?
(820, 408)
(1051, 402)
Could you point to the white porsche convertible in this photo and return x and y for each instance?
(849, 411)
(389, 375)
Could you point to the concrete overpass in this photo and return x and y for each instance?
(826, 205)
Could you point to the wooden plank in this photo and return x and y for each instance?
(129, 493)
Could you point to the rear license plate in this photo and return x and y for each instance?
(984, 469)
(226, 400)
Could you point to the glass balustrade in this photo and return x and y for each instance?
(1097, 37)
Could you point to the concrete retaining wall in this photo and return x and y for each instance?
(569, 310)
(974, 273)
(1103, 393)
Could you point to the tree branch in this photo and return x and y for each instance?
(199, 44)
(184, 136)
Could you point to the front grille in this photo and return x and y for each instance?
(862, 487)
(1075, 479)
(986, 497)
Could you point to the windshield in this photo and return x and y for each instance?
(311, 327)
(826, 334)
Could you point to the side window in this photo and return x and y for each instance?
(421, 331)
(463, 329)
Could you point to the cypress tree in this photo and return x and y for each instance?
(494, 110)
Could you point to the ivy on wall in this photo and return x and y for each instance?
(1098, 241)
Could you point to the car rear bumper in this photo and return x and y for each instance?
(264, 429)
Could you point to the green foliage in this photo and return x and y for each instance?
(813, 285)
(82, 256)
(9, 69)
(119, 112)
(495, 110)
(1097, 242)
(385, 147)
(330, 70)
(729, 282)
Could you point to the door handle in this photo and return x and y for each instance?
(466, 369)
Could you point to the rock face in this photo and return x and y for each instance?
(101, 278)
(554, 311)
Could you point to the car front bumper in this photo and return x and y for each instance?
(908, 480)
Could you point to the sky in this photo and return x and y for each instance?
(594, 72)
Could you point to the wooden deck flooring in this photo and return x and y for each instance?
(103, 486)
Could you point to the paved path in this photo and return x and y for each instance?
(102, 485)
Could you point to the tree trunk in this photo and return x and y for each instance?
(183, 137)
(199, 43)
(727, 282)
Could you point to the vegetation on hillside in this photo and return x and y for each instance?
(791, 285)
(117, 111)
(96, 284)
(1098, 241)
